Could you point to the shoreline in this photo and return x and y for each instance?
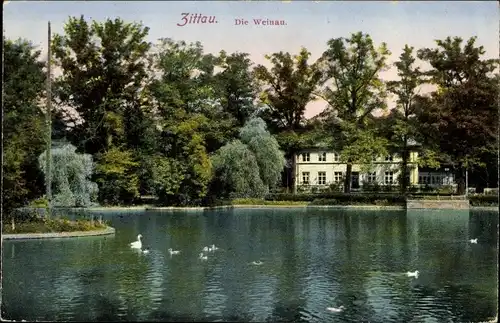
(54, 235)
(258, 206)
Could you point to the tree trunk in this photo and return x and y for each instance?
(404, 168)
(347, 179)
(13, 224)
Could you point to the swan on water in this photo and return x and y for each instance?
(173, 252)
(203, 257)
(137, 244)
(206, 249)
(257, 263)
(145, 250)
(412, 274)
(213, 248)
(336, 309)
(473, 240)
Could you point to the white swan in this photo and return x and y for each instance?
(412, 274)
(473, 240)
(203, 257)
(206, 249)
(213, 248)
(336, 309)
(137, 244)
(173, 252)
(145, 250)
(257, 263)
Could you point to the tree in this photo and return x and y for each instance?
(187, 112)
(23, 123)
(237, 88)
(353, 90)
(117, 177)
(410, 78)
(71, 177)
(266, 150)
(461, 116)
(237, 172)
(104, 68)
(287, 88)
(250, 166)
(166, 177)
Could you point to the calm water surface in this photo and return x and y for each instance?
(311, 260)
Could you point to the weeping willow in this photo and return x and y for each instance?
(266, 149)
(248, 167)
(71, 174)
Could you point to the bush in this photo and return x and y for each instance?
(41, 202)
(341, 198)
(483, 200)
(44, 225)
(446, 190)
(250, 201)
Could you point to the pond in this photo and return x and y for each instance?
(310, 259)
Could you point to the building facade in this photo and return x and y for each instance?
(322, 168)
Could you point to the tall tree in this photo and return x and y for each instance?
(104, 67)
(287, 88)
(237, 88)
(406, 90)
(23, 124)
(104, 73)
(461, 117)
(186, 112)
(353, 90)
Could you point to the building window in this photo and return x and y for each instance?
(336, 157)
(322, 157)
(389, 158)
(371, 177)
(322, 178)
(337, 177)
(388, 178)
(306, 157)
(305, 178)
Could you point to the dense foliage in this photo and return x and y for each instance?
(71, 177)
(188, 127)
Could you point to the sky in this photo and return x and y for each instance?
(308, 23)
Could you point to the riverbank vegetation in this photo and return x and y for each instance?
(133, 118)
(33, 223)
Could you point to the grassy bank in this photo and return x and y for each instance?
(56, 225)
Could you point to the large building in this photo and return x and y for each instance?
(321, 168)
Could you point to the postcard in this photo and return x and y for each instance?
(250, 161)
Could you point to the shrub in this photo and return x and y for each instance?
(483, 200)
(341, 198)
(44, 225)
(446, 190)
(250, 201)
(41, 202)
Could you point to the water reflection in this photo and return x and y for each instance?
(311, 260)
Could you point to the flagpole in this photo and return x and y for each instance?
(48, 173)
